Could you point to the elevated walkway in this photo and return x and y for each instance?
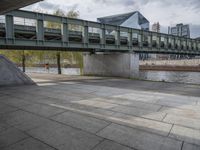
(82, 35)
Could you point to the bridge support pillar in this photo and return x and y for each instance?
(111, 64)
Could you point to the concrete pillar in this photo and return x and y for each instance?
(111, 64)
(9, 26)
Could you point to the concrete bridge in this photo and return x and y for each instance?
(118, 46)
(8, 5)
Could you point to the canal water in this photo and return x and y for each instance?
(168, 76)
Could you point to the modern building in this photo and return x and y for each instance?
(156, 28)
(181, 30)
(131, 20)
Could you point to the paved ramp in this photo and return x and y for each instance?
(10, 74)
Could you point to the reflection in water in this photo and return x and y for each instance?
(168, 76)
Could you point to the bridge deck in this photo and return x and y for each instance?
(81, 35)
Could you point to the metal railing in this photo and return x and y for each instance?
(111, 38)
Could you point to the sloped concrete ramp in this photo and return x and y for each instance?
(10, 74)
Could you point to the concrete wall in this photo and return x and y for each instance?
(184, 62)
(10, 74)
(117, 64)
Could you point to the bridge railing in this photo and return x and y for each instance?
(115, 38)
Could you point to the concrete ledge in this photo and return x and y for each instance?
(10, 74)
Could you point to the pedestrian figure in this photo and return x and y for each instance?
(47, 67)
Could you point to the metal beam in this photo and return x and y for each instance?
(65, 39)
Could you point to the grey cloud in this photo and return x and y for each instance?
(195, 31)
(110, 2)
(184, 3)
(47, 5)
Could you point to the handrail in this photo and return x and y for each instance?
(146, 40)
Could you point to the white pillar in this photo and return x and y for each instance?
(111, 64)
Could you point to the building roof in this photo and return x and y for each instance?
(142, 19)
(120, 18)
(8, 5)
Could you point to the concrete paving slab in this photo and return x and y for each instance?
(1, 129)
(75, 89)
(51, 93)
(83, 122)
(83, 109)
(28, 96)
(15, 102)
(71, 94)
(191, 107)
(96, 104)
(34, 98)
(141, 123)
(110, 145)
(175, 104)
(65, 137)
(123, 119)
(103, 94)
(138, 97)
(188, 113)
(179, 99)
(139, 112)
(3, 126)
(187, 146)
(3, 97)
(11, 136)
(186, 134)
(139, 139)
(29, 144)
(23, 120)
(129, 103)
(43, 110)
(183, 121)
(6, 108)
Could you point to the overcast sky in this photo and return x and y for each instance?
(167, 12)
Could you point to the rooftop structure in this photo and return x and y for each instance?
(132, 20)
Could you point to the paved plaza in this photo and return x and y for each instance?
(93, 113)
